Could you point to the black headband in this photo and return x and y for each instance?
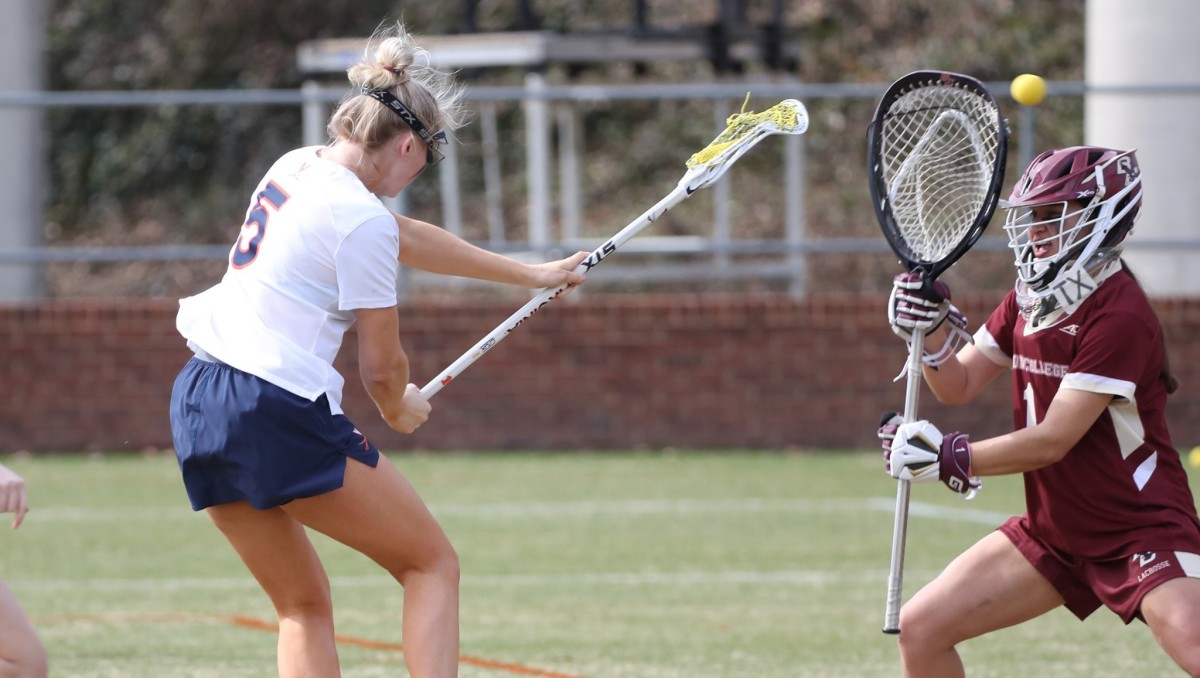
(388, 99)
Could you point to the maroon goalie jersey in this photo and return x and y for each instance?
(1122, 488)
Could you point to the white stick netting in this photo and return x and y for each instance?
(938, 148)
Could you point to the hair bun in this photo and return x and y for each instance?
(400, 74)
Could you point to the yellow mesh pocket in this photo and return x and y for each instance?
(781, 117)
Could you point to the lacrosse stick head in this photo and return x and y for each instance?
(742, 131)
(936, 149)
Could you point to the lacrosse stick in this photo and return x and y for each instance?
(744, 130)
(936, 151)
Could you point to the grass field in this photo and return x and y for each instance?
(584, 564)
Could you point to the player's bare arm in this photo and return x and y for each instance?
(963, 377)
(429, 248)
(383, 366)
(1071, 414)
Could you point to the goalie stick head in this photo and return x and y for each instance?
(937, 146)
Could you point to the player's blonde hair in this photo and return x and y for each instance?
(394, 63)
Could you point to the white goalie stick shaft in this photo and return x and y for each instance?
(725, 152)
(891, 615)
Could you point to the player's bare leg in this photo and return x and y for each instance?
(989, 587)
(21, 652)
(279, 554)
(378, 513)
(1170, 612)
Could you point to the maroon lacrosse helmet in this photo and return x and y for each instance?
(1083, 173)
(1103, 186)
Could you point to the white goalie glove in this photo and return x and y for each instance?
(918, 452)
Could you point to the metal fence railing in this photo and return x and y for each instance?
(549, 112)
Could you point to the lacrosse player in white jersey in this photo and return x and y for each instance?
(262, 442)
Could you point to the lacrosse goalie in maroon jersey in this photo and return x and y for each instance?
(1110, 518)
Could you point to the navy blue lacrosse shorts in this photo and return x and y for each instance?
(240, 437)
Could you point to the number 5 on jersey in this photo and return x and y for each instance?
(246, 249)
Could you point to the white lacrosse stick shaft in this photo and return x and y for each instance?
(551, 293)
(891, 615)
(696, 178)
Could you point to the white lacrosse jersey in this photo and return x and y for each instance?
(315, 246)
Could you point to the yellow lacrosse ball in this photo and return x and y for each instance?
(1028, 89)
(1194, 457)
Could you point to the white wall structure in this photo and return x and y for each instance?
(1145, 45)
(21, 164)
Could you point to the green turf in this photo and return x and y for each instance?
(586, 564)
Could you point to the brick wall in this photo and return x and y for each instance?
(597, 372)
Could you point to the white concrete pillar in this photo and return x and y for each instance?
(1151, 43)
(22, 166)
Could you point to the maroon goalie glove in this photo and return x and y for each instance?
(918, 452)
(920, 304)
(956, 469)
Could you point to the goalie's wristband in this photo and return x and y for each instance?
(938, 359)
(954, 341)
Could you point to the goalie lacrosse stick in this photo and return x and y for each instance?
(743, 131)
(936, 149)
